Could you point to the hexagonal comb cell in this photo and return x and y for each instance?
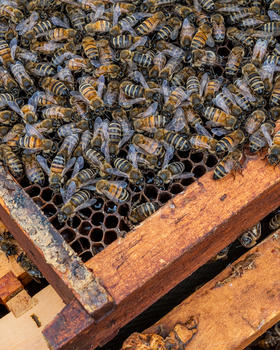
(92, 229)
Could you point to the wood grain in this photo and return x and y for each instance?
(22, 332)
(183, 235)
(20, 303)
(46, 247)
(232, 312)
(9, 286)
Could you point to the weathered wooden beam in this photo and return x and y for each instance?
(183, 235)
(46, 247)
(237, 306)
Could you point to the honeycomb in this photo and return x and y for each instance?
(94, 228)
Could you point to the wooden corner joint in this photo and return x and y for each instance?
(49, 250)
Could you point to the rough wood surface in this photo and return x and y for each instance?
(22, 332)
(20, 303)
(9, 286)
(179, 238)
(53, 256)
(238, 305)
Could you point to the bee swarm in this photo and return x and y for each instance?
(148, 95)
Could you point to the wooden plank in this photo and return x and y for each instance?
(9, 286)
(20, 303)
(10, 264)
(22, 332)
(237, 306)
(46, 247)
(174, 242)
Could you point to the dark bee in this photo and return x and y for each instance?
(274, 150)
(11, 160)
(142, 211)
(150, 24)
(234, 60)
(227, 165)
(29, 267)
(251, 73)
(54, 86)
(249, 238)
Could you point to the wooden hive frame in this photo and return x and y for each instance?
(117, 284)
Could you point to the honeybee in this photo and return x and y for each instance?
(202, 58)
(77, 17)
(61, 34)
(219, 29)
(11, 160)
(171, 172)
(11, 138)
(203, 142)
(175, 98)
(274, 150)
(33, 170)
(229, 142)
(57, 170)
(5, 53)
(142, 211)
(141, 59)
(45, 47)
(148, 145)
(101, 26)
(11, 13)
(259, 51)
(111, 95)
(275, 94)
(234, 60)
(172, 138)
(249, 238)
(207, 5)
(170, 30)
(78, 63)
(8, 82)
(220, 118)
(254, 121)
(113, 190)
(130, 171)
(150, 24)
(150, 123)
(222, 255)
(227, 164)
(258, 139)
(90, 48)
(61, 54)
(274, 222)
(90, 95)
(36, 29)
(36, 143)
(29, 267)
(241, 99)
(225, 101)
(81, 179)
(187, 33)
(21, 76)
(116, 133)
(7, 244)
(72, 128)
(172, 65)
(180, 78)
(159, 62)
(138, 91)
(8, 117)
(54, 86)
(98, 161)
(212, 86)
(193, 89)
(240, 37)
(254, 79)
(201, 36)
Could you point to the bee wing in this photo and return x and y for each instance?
(196, 5)
(228, 94)
(201, 130)
(86, 204)
(219, 102)
(233, 8)
(165, 90)
(267, 135)
(273, 15)
(117, 172)
(32, 131)
(33, 101)
(132, 155)
(140, 42)
(168, 155)
(97, 125)
(58, 22)
(13, 47)
(78, 96)
(203, 82)
(174, 33)
(70, 190)
(128, 28)
(69, 165)
(127, 133)
(15, 107)
(101, 85)
(150, 110)
(220, 131)
(183, 176)
(116, 14)
(27, 23)
(139, 78)
(122, 184)
(210, 41)
(178, 122)
(63, 195)
(79, 164)
(43, 163)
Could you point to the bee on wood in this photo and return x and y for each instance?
(11, 160)
(7, 245)
(227, 164)
(249, 238)
(29, 267)
(142, 211)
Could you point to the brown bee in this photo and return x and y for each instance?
(33, 170)
(11, 13)
(251, 73)
(101, 26)
(219, 29)
(5, 53)
(142, 211)
(227, 165)
(234, 60)
(114, 190)
(187, 33)
(8, 82)
(54, 86)
(254, 121)
(150, 24)
(61, 34)
(230, 141)
(201, 36)
(11, 160)
(220, 118)
(249, 238)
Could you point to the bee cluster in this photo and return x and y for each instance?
(109, 108)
